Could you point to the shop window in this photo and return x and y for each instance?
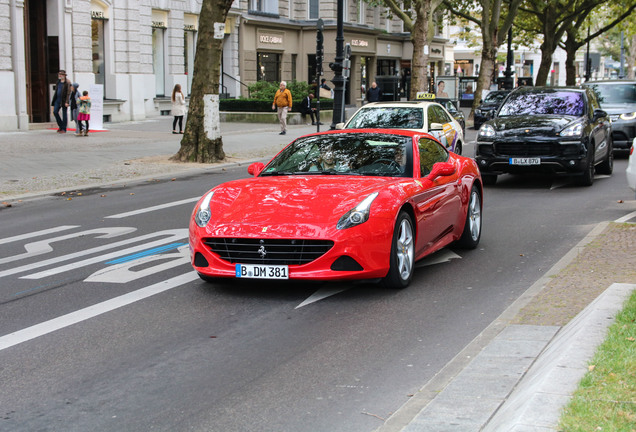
(264, 6)
(314, 9)
(158, 60)
(97, 27)
(386, 67)
(293, 66)
(268, 67)
(188, 56)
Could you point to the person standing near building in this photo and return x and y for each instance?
(84, 110)
(178, 108)
(75, 95)
(305, 108)
(282, 103)
(374, 93)
(61, 101)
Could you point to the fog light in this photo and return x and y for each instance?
(482, 162)
(572, 163)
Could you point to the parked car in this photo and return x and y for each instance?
(558, 130)
(339, 205)
(488, 107)
(452, 106)
(421, 116)
(618, 98)
(631, 167)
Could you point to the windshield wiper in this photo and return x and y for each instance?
(279, 173)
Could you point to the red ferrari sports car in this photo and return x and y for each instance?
(337, 205)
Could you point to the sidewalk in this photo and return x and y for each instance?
(43, 161)
(510, 378)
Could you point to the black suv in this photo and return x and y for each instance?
(618, 98)
(558, 130)
(487, 108)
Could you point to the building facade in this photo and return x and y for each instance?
(139, 49)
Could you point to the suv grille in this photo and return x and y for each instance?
(526, 149)
(275, 252)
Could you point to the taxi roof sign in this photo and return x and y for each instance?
(424, 96)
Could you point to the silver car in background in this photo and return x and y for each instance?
(618, 99)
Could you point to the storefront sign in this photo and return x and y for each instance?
(98, 15)
(159, 24)
(270, 39)
(359, 43)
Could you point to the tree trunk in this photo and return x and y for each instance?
(631, 57)
(419, 37)
(571, 47)
(202, 140)
(486, 72)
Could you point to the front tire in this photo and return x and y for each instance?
(587, 179)
(607, 166)
(472, 227)
(402, 259)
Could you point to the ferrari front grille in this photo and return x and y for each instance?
(270, 251)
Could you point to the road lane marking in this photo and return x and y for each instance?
(153, 208)
(44, 246)
(321, 294)
(175, 234)
(37, 233)
(146, 253)
(78, 316)
(626, 218)
(33, 266)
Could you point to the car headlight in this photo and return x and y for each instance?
(487, 130)
(357, 215)
(203, 214)
(574, 130)
(478, 111)
(628, 116)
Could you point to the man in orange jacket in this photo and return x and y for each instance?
(282, 102)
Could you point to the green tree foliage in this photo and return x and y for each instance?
(609, 43)
(494, 18)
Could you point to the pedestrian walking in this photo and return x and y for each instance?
(305, 108)
(282, 103)
(178, 108)
(374, 93)
(84, 110)
(61, 100)
(75, 97)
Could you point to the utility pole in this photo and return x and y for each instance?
(588, 62)
(508, 80)
(336, 66)
(320, 26)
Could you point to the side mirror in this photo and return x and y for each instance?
(599, 113)
(441, 169)
(435, 126)
(256, 168)
(340, 125)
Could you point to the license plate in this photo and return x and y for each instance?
(252, 271)
(525, 161)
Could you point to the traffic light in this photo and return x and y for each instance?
(319, 52)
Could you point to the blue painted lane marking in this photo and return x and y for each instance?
(148, 252)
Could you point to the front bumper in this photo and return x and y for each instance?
(623, 133)
(367, 246)
(559, 157)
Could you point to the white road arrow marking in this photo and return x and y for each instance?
(321, 294)
(37, 233)
(445, 255)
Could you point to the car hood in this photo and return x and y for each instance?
(619, 108)
(533, 125)
(488, 106)
(292, 205)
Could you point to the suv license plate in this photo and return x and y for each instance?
(252, 271)
(525, 161)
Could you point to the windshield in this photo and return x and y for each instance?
(345, 154)
(549, 102)
(615, 93)
(495, 97)
(388, 117)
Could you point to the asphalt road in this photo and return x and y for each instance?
(97, 334)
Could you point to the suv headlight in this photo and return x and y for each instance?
(357, 215)
(487, 130)
(203, 214)
(574, 130)
(628, 116)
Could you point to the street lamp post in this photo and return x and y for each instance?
(336, 66)
(508, 80)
